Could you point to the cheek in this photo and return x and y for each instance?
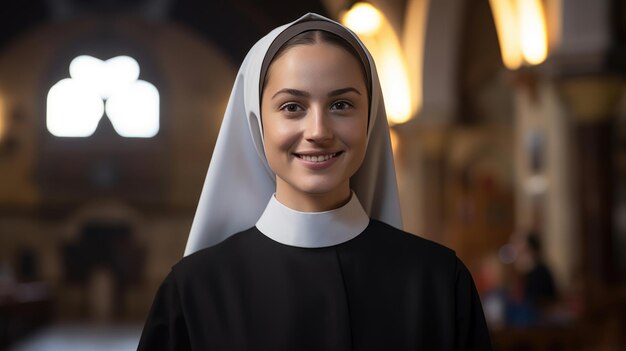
(279, 135)
(354, 134)
(360, 147)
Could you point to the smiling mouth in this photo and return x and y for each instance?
(318, 158)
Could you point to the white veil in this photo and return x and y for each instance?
(239, 182)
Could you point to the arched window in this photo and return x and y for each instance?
(99, 88)
(102, 132)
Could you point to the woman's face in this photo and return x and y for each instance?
(314, 113)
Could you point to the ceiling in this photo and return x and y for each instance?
(231, 25)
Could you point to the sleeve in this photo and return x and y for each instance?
(165, 328)
(471, 328)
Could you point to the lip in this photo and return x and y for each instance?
(319, 165)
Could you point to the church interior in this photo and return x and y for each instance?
(508, 123)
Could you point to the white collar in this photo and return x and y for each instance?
(312, 229)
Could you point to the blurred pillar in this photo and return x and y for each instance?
(420, 157)
(592, 101)
(543, 177)
(544, 199)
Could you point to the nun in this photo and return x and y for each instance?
(297, 241)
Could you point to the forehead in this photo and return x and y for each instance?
(317, 65)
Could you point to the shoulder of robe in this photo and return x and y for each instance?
(428, 251)
(220, 255)
(439, 260)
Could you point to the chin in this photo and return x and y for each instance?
(307, 185)
(318, 190)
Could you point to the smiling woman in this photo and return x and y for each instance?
(314, 113)
(296, 243)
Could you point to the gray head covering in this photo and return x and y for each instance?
(239, 182)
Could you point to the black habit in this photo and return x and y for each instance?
(383, 290)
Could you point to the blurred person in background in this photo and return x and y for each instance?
(532, 291)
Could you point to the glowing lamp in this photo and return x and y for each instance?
(379, 37)
(363, 18)
(522, 32)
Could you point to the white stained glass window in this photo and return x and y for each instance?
(75, 105)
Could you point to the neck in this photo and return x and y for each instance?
(312, 202)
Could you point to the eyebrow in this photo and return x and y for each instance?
(300, 93)
(294, 92)
(343, 91)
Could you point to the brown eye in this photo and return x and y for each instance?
(340, 105)
(291, 108)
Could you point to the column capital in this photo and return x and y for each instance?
(591, 99)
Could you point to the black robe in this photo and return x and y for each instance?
(383, 290)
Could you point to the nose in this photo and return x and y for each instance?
(318, 128)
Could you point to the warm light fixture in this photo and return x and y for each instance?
(363, 18)
(522, 31)
(75, 105)
(533, 36)
(382, 42)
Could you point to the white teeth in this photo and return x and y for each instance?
(319, 158)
